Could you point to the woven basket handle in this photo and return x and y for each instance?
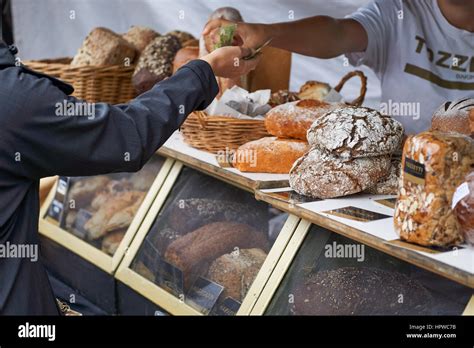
(363, 86)
(201, 116)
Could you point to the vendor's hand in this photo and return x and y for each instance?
(227, 61)
(246, 34)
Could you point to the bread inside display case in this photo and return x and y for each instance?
(333, 275)
(99, 209)
(208, 243)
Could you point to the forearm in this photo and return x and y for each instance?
(320, 36)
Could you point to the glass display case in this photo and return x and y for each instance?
(97, 217)
(205, 247)
(324, 273)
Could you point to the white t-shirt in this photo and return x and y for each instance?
(421, 59)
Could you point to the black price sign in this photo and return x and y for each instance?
(57, 207)
(228, 307)
(203, 295)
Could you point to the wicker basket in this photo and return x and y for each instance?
(220, 133)
(109, 84)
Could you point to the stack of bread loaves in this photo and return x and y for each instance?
(288, 122)
(351, 151)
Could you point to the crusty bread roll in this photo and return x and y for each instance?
(456, 116)
(185, 55)
(314, 90)
(269, 155)
(140, 37)
(236, 271)
(292, 120)
(195, 251)
(104, 47)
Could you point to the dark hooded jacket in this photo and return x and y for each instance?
(36, 141)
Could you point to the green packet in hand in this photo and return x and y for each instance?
(226, 36)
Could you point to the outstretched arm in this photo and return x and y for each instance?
(320, 36)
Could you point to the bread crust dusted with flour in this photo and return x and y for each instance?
(292, 120)
(455, 116)
(322, 175)
(269, 155)
(356, 132)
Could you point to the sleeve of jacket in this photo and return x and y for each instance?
(55, 136)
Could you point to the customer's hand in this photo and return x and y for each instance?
(227, 61)
(246, 34)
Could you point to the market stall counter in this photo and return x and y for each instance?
(87, 224)
(205, 247)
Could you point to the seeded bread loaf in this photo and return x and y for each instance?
(236, 271)
(434, 164)
(292, 120)
(200, 247)
(189, 214)
(389, 184)
(455, 116)
(155, 63)
(360, 291)
(182, 36)
(269, 155)
(356, 132)
(282, 97)
(464, 207)
(140, 37)
(322, 175)
(104, 47)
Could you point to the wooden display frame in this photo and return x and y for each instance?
(245, 181)
(284, 264)
(169, 302)
(407, 255)
(50, 228)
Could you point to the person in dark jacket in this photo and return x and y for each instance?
(38, 139)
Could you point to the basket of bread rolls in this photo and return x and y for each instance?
(114, 68)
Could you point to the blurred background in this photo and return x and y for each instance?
(56, 28)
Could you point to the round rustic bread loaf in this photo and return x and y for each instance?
(455, 116)
(322, 175)
(356, 132)
(236, 271)
(140, 37)
(389, 184)
(361, 291)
